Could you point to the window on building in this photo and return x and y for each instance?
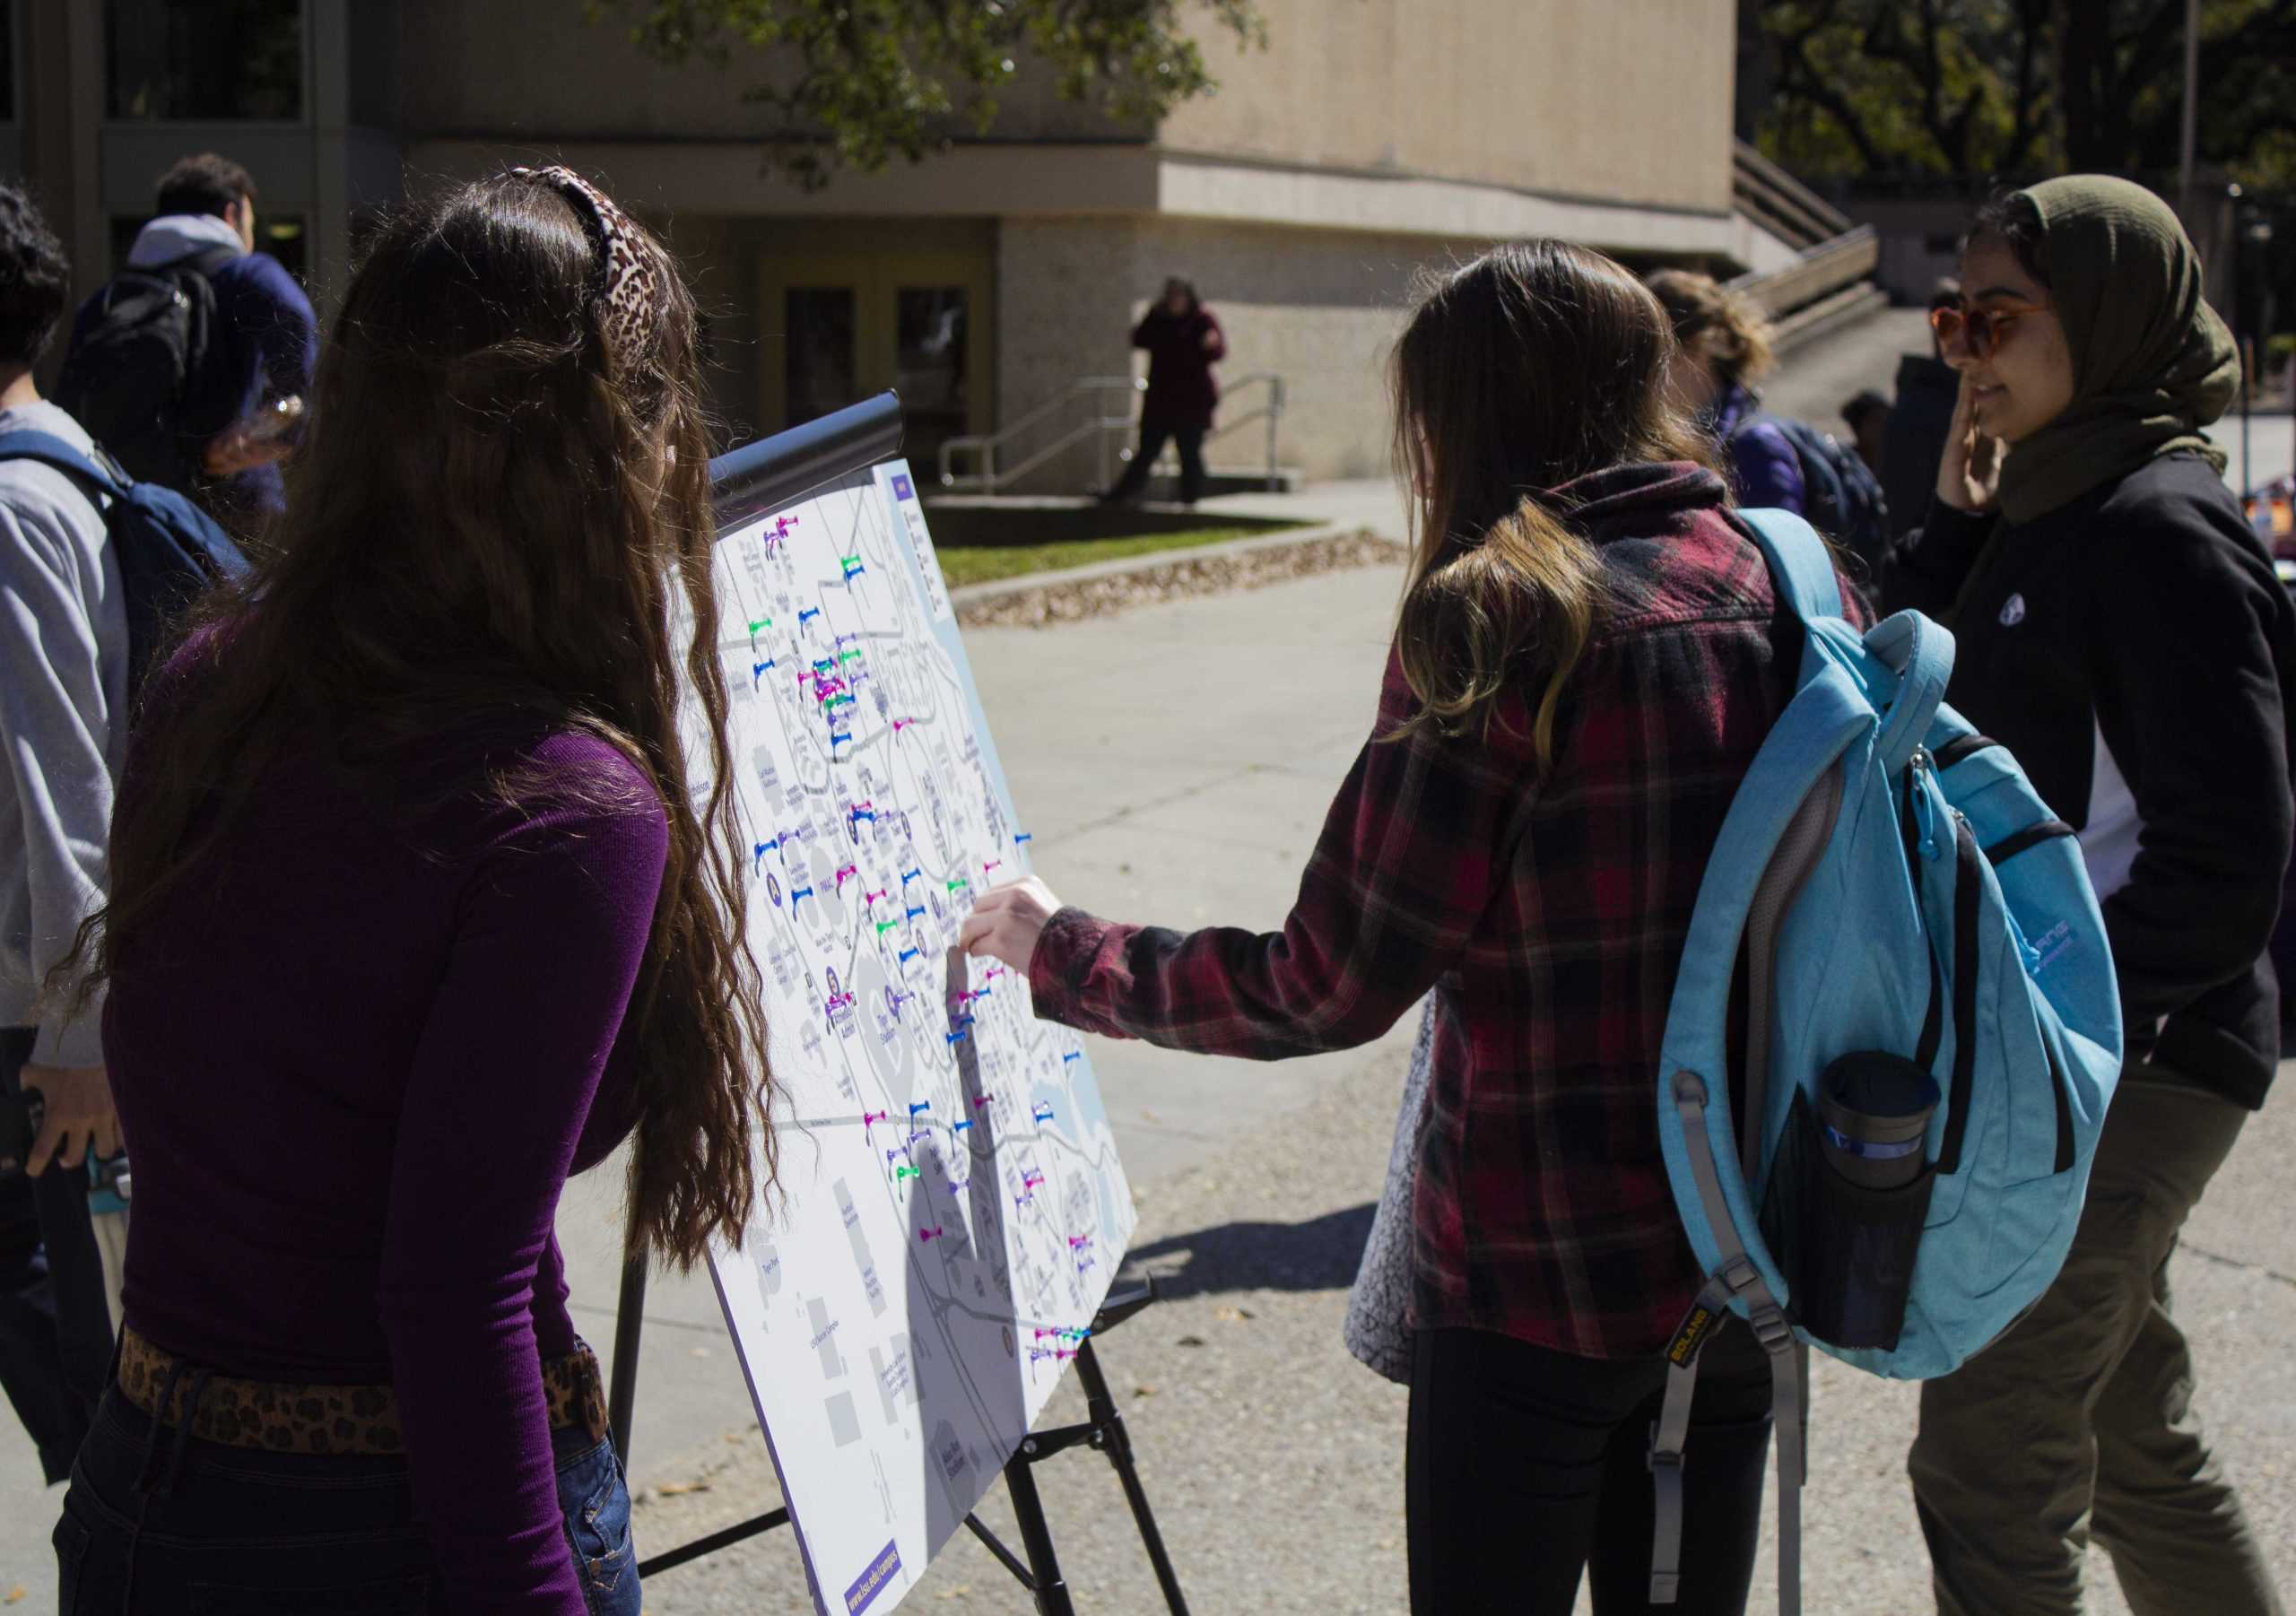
(822, 368)
(203, 59)
(7, 61)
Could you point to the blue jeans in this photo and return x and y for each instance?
(156, 1525)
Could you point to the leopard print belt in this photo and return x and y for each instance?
(284, 1419)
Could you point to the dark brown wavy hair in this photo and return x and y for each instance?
(1532, 366)
(495, 522)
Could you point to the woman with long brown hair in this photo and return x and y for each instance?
(416, 908)
(1589, 656)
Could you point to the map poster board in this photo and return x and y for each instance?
(952, 1208)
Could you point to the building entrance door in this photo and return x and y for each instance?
(841, 326)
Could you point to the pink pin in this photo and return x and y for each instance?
(933, 1233)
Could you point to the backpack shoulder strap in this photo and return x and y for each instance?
(1800, 564)
(51, 450)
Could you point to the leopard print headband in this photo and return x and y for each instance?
(629, 287)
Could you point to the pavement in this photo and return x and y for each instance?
(1174, 763)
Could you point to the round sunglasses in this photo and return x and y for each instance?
(1980, 329)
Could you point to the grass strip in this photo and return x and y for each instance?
(988, 564)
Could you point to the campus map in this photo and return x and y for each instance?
(952, 1208)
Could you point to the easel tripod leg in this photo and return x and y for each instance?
(629, 1325)
(1101, 1410)
(1035, 1537)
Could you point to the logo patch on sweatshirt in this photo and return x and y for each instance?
(2013, 611)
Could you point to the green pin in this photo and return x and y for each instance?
(886, 926)
(762, 622)
(960, 881)
(900, 1173)
(848, 656)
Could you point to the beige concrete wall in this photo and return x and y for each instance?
(537, 68)
(1628, 100)
(1317, 307)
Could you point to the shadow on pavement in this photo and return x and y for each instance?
(1319, 1254)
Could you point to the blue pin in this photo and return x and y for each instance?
(757, 671)
(922, 1105)
(800, 893)
(908, 954)
(956, 1037)
(962, 1126)
(837, 737)
(913, 914)
(1025, 837)
(808, 612)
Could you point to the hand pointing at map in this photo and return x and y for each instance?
(1007, 920)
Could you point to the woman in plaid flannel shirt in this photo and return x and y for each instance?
(1587, 658)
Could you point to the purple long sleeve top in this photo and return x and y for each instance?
(357, 1055)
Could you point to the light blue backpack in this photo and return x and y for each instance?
(1932, 1033)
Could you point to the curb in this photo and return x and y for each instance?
(1156, 560)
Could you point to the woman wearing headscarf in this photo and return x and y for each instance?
(2121, 632)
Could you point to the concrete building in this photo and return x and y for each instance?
(1371, 137)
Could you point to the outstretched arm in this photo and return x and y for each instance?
(1415, 845)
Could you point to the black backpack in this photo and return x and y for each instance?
(169, 550)
(1840, 496)
(143, 375)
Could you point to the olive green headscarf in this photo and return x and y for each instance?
(2152, 363)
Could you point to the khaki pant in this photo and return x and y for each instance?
(2078, 1422)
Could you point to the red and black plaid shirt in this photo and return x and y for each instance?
(1547, 915)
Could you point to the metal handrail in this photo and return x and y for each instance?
(987, 445)
(1272, 412)
(990, 474)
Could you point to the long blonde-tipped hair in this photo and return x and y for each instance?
(1530, 367)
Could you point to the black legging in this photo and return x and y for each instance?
(1154, 433)
(1525, 1465)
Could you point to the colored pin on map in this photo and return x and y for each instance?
(908, 954)
(843, 871)
(809, 611)
(960, 881)
(902, 723)
(914, 913)
(869, 1117)
(852, 565)
(909, 875)
(922, 1105)
(762, 849)
(962, 1126)
(983, 1100)
(933, 1233)
(836, 738)
(1041, 1113)
(757, 671)
(956, 1037)
(873, 897)
(800, 893)
(1026, 836)
(886, 926)
(900, 1173)
(762, 622)
(1078, 1242)
(1074, 1054)
(990, 864)
(848, 656)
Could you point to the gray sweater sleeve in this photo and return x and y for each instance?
(55, 723)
